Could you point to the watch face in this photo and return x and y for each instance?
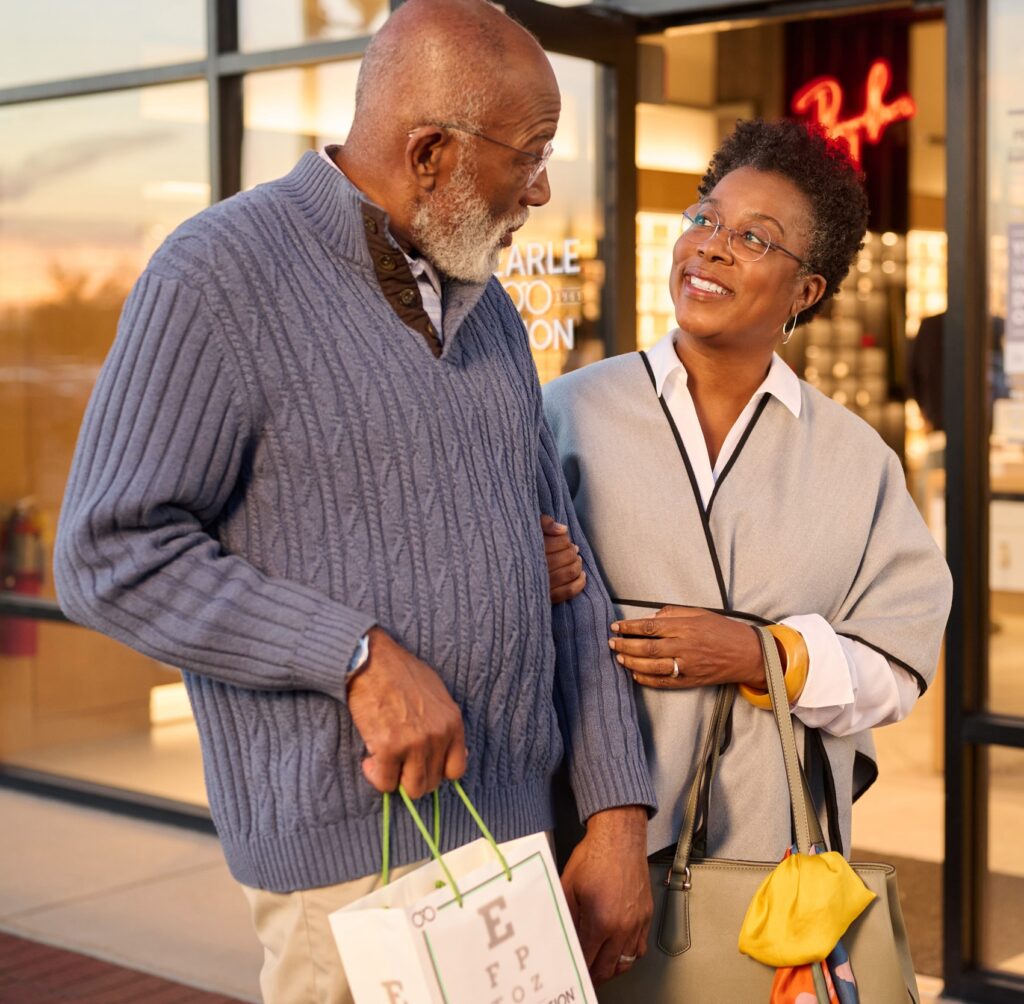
(361, 656)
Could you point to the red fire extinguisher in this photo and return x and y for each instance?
(21, 546)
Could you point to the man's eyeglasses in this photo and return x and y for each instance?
(701, 222)
(541, 159)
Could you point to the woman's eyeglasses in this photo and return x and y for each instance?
(750, 243)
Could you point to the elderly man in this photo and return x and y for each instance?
(311, 476)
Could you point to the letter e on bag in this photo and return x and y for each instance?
(393, 989)
(488, 912)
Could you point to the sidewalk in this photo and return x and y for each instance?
(141, 895)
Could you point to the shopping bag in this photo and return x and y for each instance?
(484, 924)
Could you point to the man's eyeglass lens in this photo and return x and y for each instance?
(538, 168)
(540, 160)
(701, 223)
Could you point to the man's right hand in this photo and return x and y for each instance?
(411, 726)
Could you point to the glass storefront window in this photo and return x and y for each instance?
(1002, 934)
(290, 111)
(276, 24)
(656, 235)
(555, 270)
(78, 705)
(56, 40)
(92, 185)
(1005, 686)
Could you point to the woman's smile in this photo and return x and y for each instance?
(703, 287)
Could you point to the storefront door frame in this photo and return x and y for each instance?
(970, 728)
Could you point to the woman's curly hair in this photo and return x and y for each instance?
(822, 169)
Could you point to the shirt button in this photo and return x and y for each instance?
(407, 297)
(430, 329)
(371, 224)
(386, 262)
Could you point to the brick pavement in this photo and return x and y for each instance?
(33, 973)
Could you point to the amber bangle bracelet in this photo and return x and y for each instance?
(796, 664)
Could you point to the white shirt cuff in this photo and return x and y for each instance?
(829, 680)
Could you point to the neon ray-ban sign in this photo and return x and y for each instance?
(822, 100)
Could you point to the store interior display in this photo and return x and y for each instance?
(854, 351)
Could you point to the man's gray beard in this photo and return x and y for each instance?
(455, 230)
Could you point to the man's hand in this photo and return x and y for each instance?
(410, 725)
(608, 888)
(565, 566)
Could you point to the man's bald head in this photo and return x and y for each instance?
(440, 61)
(456, 110)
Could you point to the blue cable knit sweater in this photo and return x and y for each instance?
(271, 463)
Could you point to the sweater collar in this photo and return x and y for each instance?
(340, 215)
(781, 382)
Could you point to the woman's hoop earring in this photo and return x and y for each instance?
(791, 325)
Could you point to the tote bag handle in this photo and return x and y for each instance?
(805, 819)
(433, 839)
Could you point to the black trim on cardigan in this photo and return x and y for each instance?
(651, 605)
(693, 484)
(739, 448)
(859, 757)
(922, 683)
(815, 755)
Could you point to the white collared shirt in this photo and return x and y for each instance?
(849, 687)
(427, 279)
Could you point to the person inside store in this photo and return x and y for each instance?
(312, 475)
(719, 491)
(924, 370)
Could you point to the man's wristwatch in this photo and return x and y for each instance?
(361, 657)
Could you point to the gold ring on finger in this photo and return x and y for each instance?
(675, 669)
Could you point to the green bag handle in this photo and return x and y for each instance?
(434, 839)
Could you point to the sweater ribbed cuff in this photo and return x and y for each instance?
(322, 657)
(613, 784)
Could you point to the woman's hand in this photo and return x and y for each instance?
(566, 577)
(708, 649)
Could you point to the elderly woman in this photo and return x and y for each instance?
(718, 491)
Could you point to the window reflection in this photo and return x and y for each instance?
(91, 186)
(554, 271)
(290, 111)
(1002, 935)
(274, 24)
(58, 39)
(84, 707)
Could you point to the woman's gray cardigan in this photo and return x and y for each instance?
(811, 515)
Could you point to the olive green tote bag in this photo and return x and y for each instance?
(699, 902)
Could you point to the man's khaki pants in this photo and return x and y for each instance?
(300, 962)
